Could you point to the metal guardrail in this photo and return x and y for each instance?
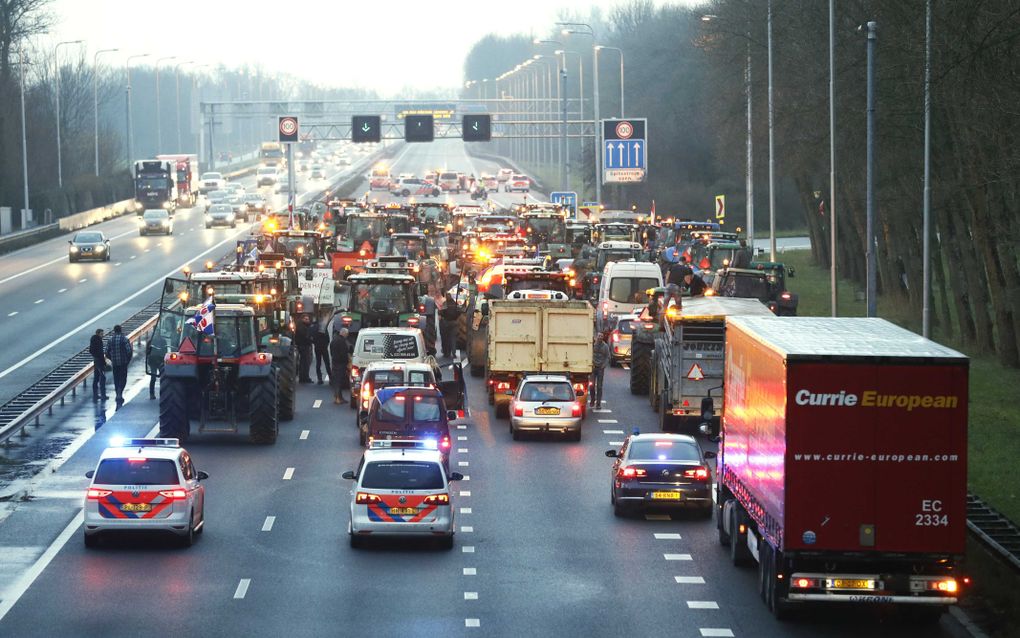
(27, 407)
(994, 531)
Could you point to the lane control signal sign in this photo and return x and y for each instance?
(476, 128)
(418, 128)
(366, 129)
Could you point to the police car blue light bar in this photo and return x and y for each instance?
(119, 441)
(406, 444)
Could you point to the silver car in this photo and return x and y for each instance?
(239, 206)
(156, 221)
(546, 403)
(220, 215)
(215, 197)
(88, 244)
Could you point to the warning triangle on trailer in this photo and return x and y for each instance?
(695, 373)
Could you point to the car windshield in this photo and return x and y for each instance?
(546, 229)
(139, 471)
(233, 338)
(221, 208)
(402, 475)
(626, 326)
(448, 176)
(88, 238)
(630, 289)
(156, 214)
(412, 248)
(754, 287)
(381, 297)
(722, 257)
(616, 233)
(663, 450)
(384, 378)
(427, 409)
(211, 176)
(538, 283)
(547, 391)
(152, 183)
(290, 245)
(610, 256)
(267, 171)
(219, 194)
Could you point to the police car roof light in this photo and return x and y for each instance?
(122, 442)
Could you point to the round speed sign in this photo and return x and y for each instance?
(624, 130)
(288, 125)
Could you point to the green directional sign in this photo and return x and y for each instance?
(476, 128)
(365, 128)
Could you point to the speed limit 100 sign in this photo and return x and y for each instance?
(288, 129)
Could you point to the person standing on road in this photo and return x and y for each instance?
(429, 307)
(449, 316)
(320, 339)
(303, 339)
(98, 366)
(119, 352)
(339, 361)
(600, 359)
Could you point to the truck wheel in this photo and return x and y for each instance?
(653, 384)
(740, 556)
(724, 537)
(640, 359)
(775, 589)
(667, 420)
(173, 409)
(502, 409)
(263, 404)
(287, 370)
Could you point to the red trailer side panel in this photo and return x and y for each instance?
(876, 456)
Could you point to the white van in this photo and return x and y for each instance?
(406, 345)
(623, 289)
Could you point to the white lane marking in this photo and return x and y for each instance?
(466, 478)
(304, 434)
(462, 450)
(462, 438)
(84, 279)
(118, 263)
(470, 571)
(38, 301)
(18, 589)
(466, 529)
(474, 622)
(470, 595)
(664, 536)
(242, 589)
(462, 463)
(689, 580)
(616, 443)
(465, 510)
(318, 403)
(465, 493)
(602, 411)
(702, 604)
(461, 427)
(32, 269)
(677, 557)
(608, 421)
(11, 314)
(147, 249)
(133, 256)
(657, 517)
(467, 549)
(62, 290)
(92, 321)
(716, 632)
(612, 431)
(288, 474)
(268, 525)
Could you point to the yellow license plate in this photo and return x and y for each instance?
(666, 496)
(404, 511)
(547, 411)
(851, 583)
(136, 507)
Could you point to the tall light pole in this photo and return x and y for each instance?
(95, 100)
(871, 260)
(56, 62)
(832, 155)
(24, 135)
(596, 107)
(926, 222)
(598, 124)
(772, 152)
(602, 47)
(564, 149)
(130, 126)
(177, 79)
(159, 119)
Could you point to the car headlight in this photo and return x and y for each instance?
(166, 205)
(74, 249)
(165, 222)
(100, 248)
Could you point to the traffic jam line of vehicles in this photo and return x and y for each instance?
(536, 305)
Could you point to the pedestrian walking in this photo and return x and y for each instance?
(119, 352)
(429, 309)
(98, 366)
(339, 361)
(320, 340)
(303, 340)
(600, 359)
(448, 318)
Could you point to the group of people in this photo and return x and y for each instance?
(316, 347)
(113, 355)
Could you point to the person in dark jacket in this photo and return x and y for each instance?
(303, 339)
(339, 360)
(320, 339)
(98, 366)
(694, 284)
(600, 359)
(119, 352)
(448, 318)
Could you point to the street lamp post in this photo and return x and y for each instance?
(95, 100)
(56, 61)
(24, 135)
(159, 123)
(832, 157)
(177, 81)
(772, 150)
(564, 149)
(871, 259)
(130, 126)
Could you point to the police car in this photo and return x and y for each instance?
(145, 485)
(401, 489)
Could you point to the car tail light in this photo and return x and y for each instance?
(413, 321)
(804, 583)
(518, 409)
(444, 443)
(364, 498)
(616, 337)
(437, 499)
(786, 296)
(503, 385)
(94, 493)
(946, 585)
(697, 473)
(631, 472)
(174, 494)
(354, 372)
(579, 389)
(346, 320)
(576, 409)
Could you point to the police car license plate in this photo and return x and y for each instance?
(404, 511)
(136, 507)
(666, 496)
(547, 411)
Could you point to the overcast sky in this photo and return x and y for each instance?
(379, 45)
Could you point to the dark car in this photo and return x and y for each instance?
(88, 244)
(411, 413)
(661, 471)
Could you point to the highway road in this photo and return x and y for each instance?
(538, 551)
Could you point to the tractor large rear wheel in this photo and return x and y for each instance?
(640, 367)
(173, 408)
(263, 403)
(286, 366)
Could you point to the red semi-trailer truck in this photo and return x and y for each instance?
(843, 462)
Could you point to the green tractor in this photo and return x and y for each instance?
(642, 343)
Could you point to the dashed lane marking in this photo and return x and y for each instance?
(268, 525)
(38, 301)
(462, 438)
(667, 536)
(677, 557)
(462, 450)
(602, 411)
(658, 517)
(466, 529)
(465, 510)
(83, 280)
(304, 434)
(616, 443)
(470, 595)
(465, 493)
(474, 622)
(462, 463)
(612, 431)
(461, 427)
(317, 403)
(242, 589)
(470, 571)
(147, 249)
(133, 256)
(702, 604)
(716, 632)
(118, 263)
(62, 290)
(468, 549)
(466, 478)
(689, 580)
(608, 421)
(11, 314)
(288, 474)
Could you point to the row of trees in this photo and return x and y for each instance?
(687, 75)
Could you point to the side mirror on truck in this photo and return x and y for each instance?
(611, 454)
